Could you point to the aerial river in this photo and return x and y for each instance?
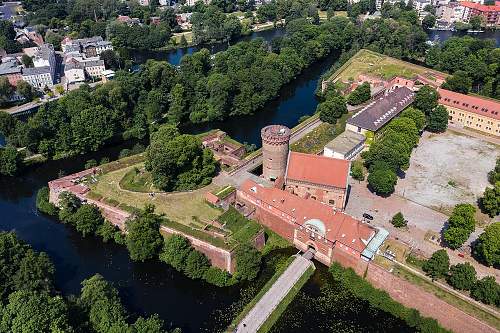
(152, 287)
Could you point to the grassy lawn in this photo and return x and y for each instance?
(184, 208)
(261, 293)
(243, 230)
(138, 180)
(375, 64)
(447, 297)
(315, 141)
(187, 34)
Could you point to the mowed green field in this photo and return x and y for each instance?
(379, 65)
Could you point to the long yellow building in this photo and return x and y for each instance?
(471, 111)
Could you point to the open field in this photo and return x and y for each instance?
(447, 169)
(375, 64)
(187, 34)
(186, 207)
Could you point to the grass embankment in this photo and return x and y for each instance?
(242, 229)
(138, 180)
(448, 297)
(379, 65)
(184, 208)
(315, 141)
(261, 293)
(271, 320)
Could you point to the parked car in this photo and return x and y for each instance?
(368, 216)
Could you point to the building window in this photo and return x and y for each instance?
(331, 202)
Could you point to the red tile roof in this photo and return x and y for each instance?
(481, 8)
(481, 106)
(339, 226)
(317, 169)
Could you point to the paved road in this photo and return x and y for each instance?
(263, 309)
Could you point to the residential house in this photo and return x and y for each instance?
(74, 72)
(490, 14)
(94, 68)
(11, 69)
(39, 77)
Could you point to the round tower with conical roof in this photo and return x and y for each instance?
(275, 146)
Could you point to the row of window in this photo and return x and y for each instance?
(475, 107)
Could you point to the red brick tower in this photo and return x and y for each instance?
(275, 140)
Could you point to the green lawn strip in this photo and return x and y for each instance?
(224, 192)
(274, 242)
(315, 141)
(122, 163)
(276, 314)
(261, 293)
(448, 297)
(201, 235)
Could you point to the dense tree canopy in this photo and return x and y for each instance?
(460, 225)
(438, 120)
(426, 99)
(473, 63)
(360, 95)
(10, 161)
(248, 261)
(143, 239)
(487, 247)
(487, 291)
(438, 265)
(179, 162)
(462, 276)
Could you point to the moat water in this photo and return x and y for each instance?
(152, 287)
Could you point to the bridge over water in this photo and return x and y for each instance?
(273, 297)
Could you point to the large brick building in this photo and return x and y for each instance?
(310, 224)
(318, 177)
(471, 111)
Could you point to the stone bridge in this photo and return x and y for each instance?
(273, 297)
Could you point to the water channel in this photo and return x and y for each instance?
(151, 287)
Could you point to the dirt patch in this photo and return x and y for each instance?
(447, 169)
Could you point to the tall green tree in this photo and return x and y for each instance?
(487, 247)
(143, 239)
(10, 161)
(438, 265)
(332, 109)
(176, 250)
(360, 95)
(490, 201)
(248, 261)
(438, 120)
(462, 276)
(87, 219)
(426, 99)
(487, 291)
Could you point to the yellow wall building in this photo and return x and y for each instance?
(471, 111)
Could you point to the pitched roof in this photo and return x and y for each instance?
(317, 169)
(480, 7)
(339, 226)
(37, 70)
(481, 106)
(380, 111)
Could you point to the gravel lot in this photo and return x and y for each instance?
(447, 169)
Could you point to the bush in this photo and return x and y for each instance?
(217, 277)
(357, 171)
(125, 153)
(90, 164)
(462, 276)
(398, 220)
(43, 204)
(438, 265)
